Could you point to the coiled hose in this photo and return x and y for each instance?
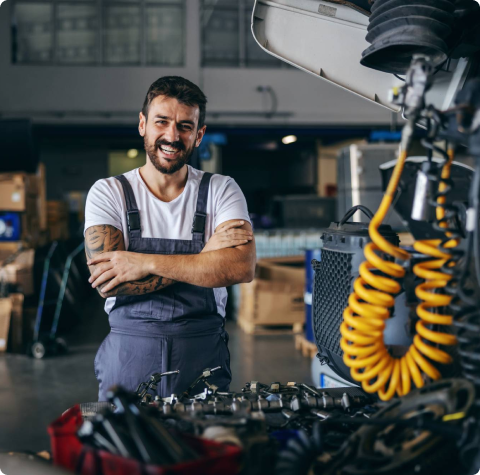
(370, 303)
(433, 293)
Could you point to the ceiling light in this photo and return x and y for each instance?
(132, 153)
(289, 139)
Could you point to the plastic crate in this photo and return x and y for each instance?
(70, 453)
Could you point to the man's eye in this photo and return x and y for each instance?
(186, 127)
(161, 122)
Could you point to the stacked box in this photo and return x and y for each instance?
(24, 194)
(276, 295)
(17, 268)
(57, 219)
(5, 315)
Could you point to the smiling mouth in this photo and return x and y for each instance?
(169, 151)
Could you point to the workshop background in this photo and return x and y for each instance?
(73, 77)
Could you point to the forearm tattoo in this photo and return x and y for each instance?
(148, 284)
(106, 238)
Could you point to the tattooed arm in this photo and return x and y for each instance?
(106, 238)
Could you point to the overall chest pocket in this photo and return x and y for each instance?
(179, 300)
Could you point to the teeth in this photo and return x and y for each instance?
(166, 150)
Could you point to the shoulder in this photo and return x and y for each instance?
(216, 182)
(111, 186)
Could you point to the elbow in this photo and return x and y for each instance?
(249, 274)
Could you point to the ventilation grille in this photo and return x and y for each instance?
(331, 288)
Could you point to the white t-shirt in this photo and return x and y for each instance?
(106, 205)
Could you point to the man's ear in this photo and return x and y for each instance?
(200, 134)
(142, 124)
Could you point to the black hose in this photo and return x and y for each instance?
(301, 453)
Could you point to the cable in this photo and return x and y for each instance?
(466, 306)
(369, 307)
(431, 293)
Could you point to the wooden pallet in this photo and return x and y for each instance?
(253, 328)
(308, 348)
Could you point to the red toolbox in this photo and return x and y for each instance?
(68, 452)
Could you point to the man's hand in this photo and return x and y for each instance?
(117, 267)
(228, 235)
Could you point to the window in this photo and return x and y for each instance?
(99, 32)
(122, 40)
(227, 36)
(165, 34)
(33, 33)
(76, 29)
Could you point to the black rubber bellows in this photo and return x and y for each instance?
(399, 29)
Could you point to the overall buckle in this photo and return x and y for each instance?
(133, 220)
(199, 223)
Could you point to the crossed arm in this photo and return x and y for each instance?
(228, 258)
(108, 239)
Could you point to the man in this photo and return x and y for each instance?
(145, 236)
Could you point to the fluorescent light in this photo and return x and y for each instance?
(132, 153)
(289, 139)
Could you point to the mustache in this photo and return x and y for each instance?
(178, 145)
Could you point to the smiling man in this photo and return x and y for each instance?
(162, 242)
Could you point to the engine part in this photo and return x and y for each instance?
(135, 432)
(151, 385)
(203, 378)
(399, 29)
(368, 309)
(301, 452)
(464, 285)
(415, 434)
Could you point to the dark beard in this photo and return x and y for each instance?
(182, 160)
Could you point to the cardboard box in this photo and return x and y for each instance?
(17, 190)
(16, 337)
(10, 247)
(5, 315)
(20, 271)
(289, 269)
(271, 303)
(276, 295)
(57, 220)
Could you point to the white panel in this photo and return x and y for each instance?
(329, 47)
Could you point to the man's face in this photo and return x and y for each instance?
(170, 133)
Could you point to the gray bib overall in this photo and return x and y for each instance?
(177, 327)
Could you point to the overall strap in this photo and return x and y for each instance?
(133, 214)
(198, 227)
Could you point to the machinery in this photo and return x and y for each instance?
(409, 317)
(403, 323)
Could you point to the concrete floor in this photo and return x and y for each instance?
(35, 392)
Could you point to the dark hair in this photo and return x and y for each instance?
(179, 88)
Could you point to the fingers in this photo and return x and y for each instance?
(236, 235)
(111, 285)
(105, 277)
(227, 226)
(99, 270)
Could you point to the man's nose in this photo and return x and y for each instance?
(172, 133)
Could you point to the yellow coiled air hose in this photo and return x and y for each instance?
(363, 324)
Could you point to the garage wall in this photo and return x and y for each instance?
(71, 94)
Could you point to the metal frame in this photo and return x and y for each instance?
(100, 31)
